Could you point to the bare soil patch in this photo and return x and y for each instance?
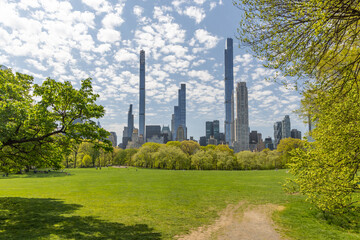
(241, 221)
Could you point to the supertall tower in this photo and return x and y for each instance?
(180, 113)
(142, 95)
(130, 126)
(242, 117)
(229, 92)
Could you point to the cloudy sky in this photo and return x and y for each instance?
(184, 41)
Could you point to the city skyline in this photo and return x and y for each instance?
(184, 43)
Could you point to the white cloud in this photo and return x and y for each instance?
(108, 35)
(198, 14)
(200, 2)
(112, 20)
(203, 40)
(138, 11)
(125, 56)
(203, 75)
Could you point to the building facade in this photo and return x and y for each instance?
(130, 125)
(229, 92)
(142, 94)
(295, 134)
(277, 133)
(286, 133)
(242, 118)
(153, 132)
(179, 117)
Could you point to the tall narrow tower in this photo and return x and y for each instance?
(179, 118)
(229, 92)
(242, 117)
(142, 95)
(130, 126)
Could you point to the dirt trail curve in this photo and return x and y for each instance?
(240, 222)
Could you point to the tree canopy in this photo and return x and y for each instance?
(304, 38)
(38, 121)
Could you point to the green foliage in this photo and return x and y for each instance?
(171, 157)
(327, 170)
(189, 147)
(316, 40)
(86, 161)
(174, 143)
(304, 38)
(35, 133)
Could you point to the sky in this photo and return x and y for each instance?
(184, 41)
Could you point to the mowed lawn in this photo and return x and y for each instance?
(135, 203)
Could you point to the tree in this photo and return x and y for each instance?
(33, 132)
(286, 145)
(171, 157)
(301, 38)
(316, 41)
(189, 147)
(327, 169)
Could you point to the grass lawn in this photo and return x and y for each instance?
(146, 204)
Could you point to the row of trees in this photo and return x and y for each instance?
(183, 155)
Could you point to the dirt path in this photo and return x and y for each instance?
(240, 222)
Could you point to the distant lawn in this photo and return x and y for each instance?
(145, 204)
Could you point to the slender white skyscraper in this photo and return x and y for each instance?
(142, 95)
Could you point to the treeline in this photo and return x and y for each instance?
(183, 155)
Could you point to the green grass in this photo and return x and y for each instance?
(146, 204)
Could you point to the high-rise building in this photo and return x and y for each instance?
(216, 127)
(242, 118)
(202, 141)
(253, 137)
(286, 133)
(113, 139)
(166, 133)
(179, 118)
(277, 133)
(209, 130)
(229, 92)
(269, 143)
(180, 134)
(295, 134)
(142, 94)
(125, 138)
(130, 125)
(153, 133)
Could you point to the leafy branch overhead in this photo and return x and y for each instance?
(37, 121)
(304, 38)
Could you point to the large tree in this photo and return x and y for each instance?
(317, 42)
(38, 122)
(304, 38)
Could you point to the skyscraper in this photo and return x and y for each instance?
(180, 113)
(142, 94)
(130, 123)
(229, 92)
(242, 118)
(277, 133)
(286, 133)
(209, 130)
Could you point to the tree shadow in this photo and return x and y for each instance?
(36, 175)
(35, 218)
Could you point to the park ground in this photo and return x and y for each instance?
(132, 203)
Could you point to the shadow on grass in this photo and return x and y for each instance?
(35, 218)
(36, 175)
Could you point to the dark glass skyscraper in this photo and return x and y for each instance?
(180, 112)
(130, 122)
(229, 92)
(142, 94)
